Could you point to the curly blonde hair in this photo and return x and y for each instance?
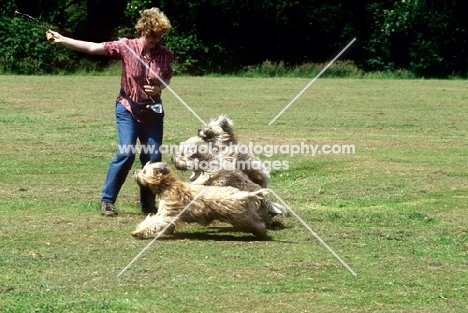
(153, 21)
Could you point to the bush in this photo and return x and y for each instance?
(192, 56)
(426, 37)
(420, 36)
(26, 51)
(340, 68)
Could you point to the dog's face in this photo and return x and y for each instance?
(200, 156)
(219, 129)
(186, 158)
(156, 176)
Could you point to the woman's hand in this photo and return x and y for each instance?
(53, 36)
(152, 90)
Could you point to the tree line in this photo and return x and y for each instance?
(426, 37)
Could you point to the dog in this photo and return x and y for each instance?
(200, 204)
(202, 157)
(210, 170)
(219, 132)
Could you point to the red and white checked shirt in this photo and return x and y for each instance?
(134, 73)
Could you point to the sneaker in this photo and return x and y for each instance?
(107, 209)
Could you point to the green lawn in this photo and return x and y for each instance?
(395, 210)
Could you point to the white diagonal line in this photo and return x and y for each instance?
(315, 235)
(162, 81)
(308, 85)
(161, 232)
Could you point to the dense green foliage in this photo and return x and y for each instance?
(426, 37)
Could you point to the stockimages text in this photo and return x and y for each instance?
(222, 156)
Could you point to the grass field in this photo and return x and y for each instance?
(395, 210)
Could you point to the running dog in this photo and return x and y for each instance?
(182, 202)
(219, 133)
(210, 169)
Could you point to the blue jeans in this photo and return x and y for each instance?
(128, 131)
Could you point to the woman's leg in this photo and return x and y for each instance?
(127, 131)
(151, 137)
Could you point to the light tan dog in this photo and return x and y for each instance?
(200, 204)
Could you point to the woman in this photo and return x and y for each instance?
(140, 92)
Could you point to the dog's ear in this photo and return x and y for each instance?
(163, 168)
(159, 168)
(225, 123)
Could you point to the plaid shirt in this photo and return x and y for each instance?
(134, 73)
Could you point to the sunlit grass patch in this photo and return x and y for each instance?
(395, 210)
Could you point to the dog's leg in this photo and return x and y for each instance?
(249, 221)
(259, 195)
(155, 224)
(264, 212)
(148, 227)
(201, 179)
(258, 227)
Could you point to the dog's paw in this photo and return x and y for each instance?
(262, 235)
(138, 234)
(169, 230)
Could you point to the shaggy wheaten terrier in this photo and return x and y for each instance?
(202, 204)
(219, 133)
(207, 170)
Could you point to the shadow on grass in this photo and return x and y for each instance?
(214, 235)
(218, 233)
